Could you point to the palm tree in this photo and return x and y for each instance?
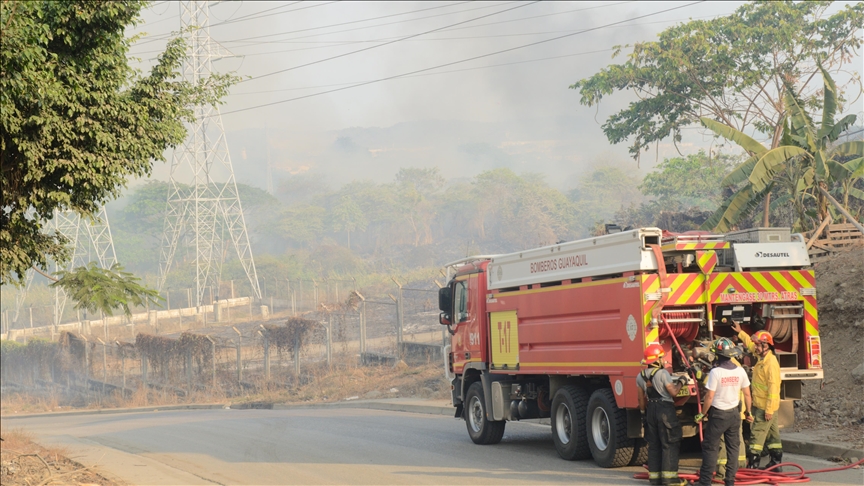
(805, 164)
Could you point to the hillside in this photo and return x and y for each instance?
(836, 404)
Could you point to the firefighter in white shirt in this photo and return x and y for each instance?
(726, 382)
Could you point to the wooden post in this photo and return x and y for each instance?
(213, 354)
(144, 374)
(188, 372)
(239, 355)
(825, 222)
(104, 364)
(123, 366)
(329, 340)
(266, 338)
(296, 357)
(239, 364)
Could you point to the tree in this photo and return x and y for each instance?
(602, 192)
(732, 69)
(691, 181)
(78, 121)
(805, 163)
(347, 216)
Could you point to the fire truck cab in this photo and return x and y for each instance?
(558, 332)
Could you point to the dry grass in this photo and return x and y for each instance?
(316, 383)
(24, 462)
(345, 380)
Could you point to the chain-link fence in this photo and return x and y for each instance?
(232, 346)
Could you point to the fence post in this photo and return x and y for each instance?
(122, 365)
(31, 317)
(297, 357)
(239, 355)
(400, 316)
(265, 336)
(188, 359)
(86, 363)
(213, 364)
(362, 314)
(144, 374)
(329, 339)
(104, 364)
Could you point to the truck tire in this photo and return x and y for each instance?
(607, 430)
(568, 424)
(481, 430)
(640, 452)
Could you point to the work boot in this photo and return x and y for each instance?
(753, 461)
(776, 458)
(677, 482)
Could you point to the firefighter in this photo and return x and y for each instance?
(736, 358)
(663, 432)
(726, 382)
(764, 433)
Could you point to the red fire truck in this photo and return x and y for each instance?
(558, 332)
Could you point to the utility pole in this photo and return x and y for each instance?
(202, 212)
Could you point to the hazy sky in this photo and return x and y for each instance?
(523, 93)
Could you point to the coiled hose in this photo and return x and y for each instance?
(767, 476)
(689, 370)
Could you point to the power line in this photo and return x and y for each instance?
(368, 20)
(610, 49)
(461, 61)
(388, 43)
(261, 12)
(243, 19)
(165, 36)
(348, 42)
(408, 20)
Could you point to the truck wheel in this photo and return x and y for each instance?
(482, 430)
(607, 430)
(568, 425)
(640, 452)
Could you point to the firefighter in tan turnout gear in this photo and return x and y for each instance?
(764, 433)
(663, 432)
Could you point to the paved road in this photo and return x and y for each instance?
(324, 446)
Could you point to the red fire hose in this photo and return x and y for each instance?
(689, 370)
(767, 476)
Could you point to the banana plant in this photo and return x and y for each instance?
(805, 162)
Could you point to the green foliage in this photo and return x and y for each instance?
(602, 192)
(805, 161)
(100, 289)
(731, 69)
(690, 181)
(78, 121)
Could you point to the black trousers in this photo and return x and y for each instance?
(663, 433)
(725, 423)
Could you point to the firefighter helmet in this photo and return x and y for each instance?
(724, 347)
(653, 352)
(763, 336)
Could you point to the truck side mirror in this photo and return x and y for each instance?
(444, 319)
(445, 299)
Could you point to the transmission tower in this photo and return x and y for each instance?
(204, 216)
(90, 240)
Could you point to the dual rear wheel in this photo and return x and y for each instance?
(589, 424)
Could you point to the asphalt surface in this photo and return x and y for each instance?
(325, 446)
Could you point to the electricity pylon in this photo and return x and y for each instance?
(90, 240)
(204, 215)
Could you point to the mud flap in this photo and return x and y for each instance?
(459, 411)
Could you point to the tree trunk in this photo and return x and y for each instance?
(765, 218)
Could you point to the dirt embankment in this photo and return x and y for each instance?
(836, 404)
